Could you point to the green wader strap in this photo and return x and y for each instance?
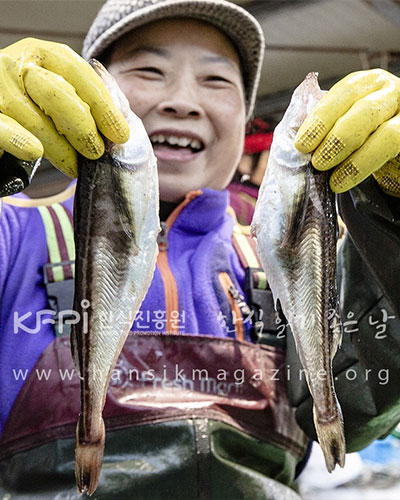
(59, 271)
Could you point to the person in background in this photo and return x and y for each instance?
(190, 70)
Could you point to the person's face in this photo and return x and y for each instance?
(182, 77)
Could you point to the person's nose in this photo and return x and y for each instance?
(181, 101)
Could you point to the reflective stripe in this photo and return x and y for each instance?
(67, 232)
(52, 243)
(260, 280)
(246, 249)
(60, 242)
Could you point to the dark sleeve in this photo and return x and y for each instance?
(367, 365)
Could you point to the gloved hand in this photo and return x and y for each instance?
(53, 104)
(355, 127)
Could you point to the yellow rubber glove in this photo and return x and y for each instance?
(355, 127)
(53, 104)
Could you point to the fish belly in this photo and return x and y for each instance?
(295, 227)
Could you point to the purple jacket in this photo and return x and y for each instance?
(190, 282)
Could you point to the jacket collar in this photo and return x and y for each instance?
(200, 212)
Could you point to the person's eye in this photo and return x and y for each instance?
(217, 78)
(149, 72)
(218, 82)
(150, 69)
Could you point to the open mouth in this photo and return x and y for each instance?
(176, 143)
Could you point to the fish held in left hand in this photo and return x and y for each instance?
(295, 226)
(116, 225)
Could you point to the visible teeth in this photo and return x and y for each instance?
(183, 142)
(195, 144)
(173, 140)
(158, 138)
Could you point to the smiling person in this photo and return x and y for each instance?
(201, 404)
(185, 78)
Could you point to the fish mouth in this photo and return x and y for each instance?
(176, 144)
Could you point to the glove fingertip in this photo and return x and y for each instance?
(68, 166)
(336, 188)
(115, 127)
(31, 148)
(70, 170)
(389, 179)
(93, 145)
(319, 164)
(310, 134)
(345, 177)
(300, 144)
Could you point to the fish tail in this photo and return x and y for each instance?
(88, 459)
(331, 439)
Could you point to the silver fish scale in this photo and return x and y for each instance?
(116, 226)
(295, 226)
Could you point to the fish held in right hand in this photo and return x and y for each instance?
(295, 226)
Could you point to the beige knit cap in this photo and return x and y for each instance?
(117, 17)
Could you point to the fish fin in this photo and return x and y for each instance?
(296, 215)
(331, 439)
(125, 216)
(88, 460)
